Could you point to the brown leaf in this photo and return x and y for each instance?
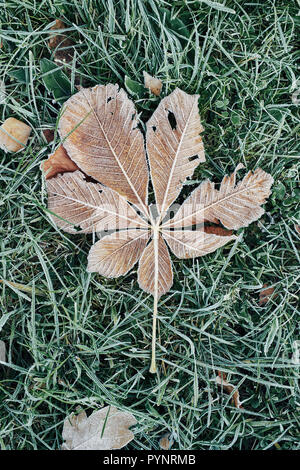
(14, 135)
(190, 243)
(265, 294)
(88, 205)
(166, 441)
(234, 205)
(115, 254)
(58, 162)
(107, 145)
(217, 230)
(105, 429)
(48, 134)
(99, 127)
(62, 45)
(170, 149)
(221, 380)
(148, 266)
(154, 84)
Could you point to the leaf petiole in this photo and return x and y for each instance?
(155, 229)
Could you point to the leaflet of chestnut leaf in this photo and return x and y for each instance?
(107, 188)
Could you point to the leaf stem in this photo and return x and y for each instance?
(155, 298)
(153, 356)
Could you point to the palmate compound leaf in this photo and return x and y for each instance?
(99, 128)
(105, 429)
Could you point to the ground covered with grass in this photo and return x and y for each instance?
(76, 339)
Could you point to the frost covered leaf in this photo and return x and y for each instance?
(14, 135)
(153, 83)
(104, 140)
(2, 351)
(105, 429)
(109, 190)
(190, 244)
(56, 82)
(88, 205)
(155, 266)
(174, 145)
(115, 254)
(233, 205)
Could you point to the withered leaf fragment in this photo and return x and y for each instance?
(166, 441)
(153, 83)
(14, 135)
(99, 128)
(58, 162)
(221, 380)
(48, 134)
(265, 294)
(62, 45)
(105, 429)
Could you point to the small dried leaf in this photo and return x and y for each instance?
(221, 380)
(265, 294)
(154, 84)
(105, 429)
(21, 287)
(166, 441)
(58, 162)
(64, 50)
(2, 351)
(14, 135)
(48, 134)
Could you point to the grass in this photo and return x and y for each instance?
(75, 339)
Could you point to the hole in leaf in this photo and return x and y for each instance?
(108, 99)
(172, 120)
(154, 128)
(194, 157)
(89, 179)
